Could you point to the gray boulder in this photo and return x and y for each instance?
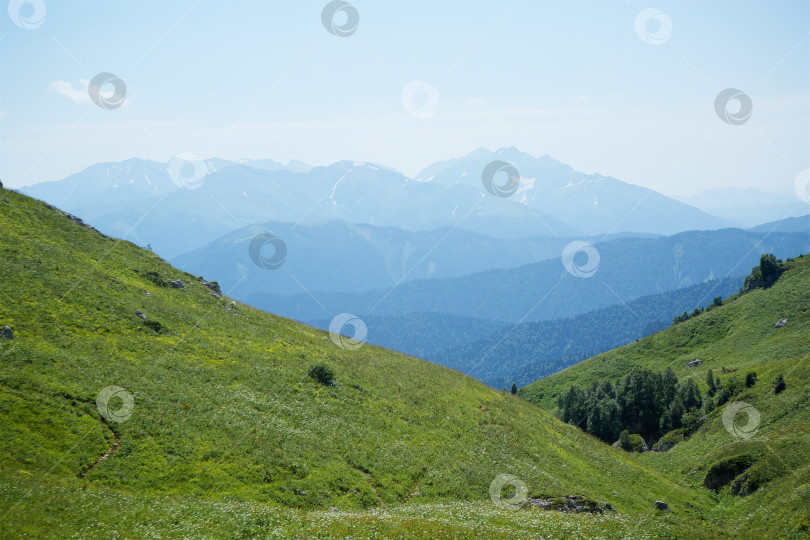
(780, 323)
(662, 446)
(140, 314)
(6, 333)
(214, 286)
(661, 505)
(177, 284)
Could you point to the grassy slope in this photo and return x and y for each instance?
(738, 336)
(228, 427)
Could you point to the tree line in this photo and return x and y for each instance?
(643, 402)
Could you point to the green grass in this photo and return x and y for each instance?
(230, 437)
(740, 337)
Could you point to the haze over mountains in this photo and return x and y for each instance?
(747, 207)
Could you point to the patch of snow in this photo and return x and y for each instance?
(526, 184)
(334, 188)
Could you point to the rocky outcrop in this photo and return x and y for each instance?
(662, 446)
(177, 284)
(213, 285)
(6, 333)
(79, 221)
(780, 323)
(723, 472)
(662, 506)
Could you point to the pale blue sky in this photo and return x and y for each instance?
(265, 79)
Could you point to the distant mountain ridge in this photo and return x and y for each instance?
(137, 200)
(593, 203)
(748, 207)
(339, 256)
(629, 268)
(499, 354)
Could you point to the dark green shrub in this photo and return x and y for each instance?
(779, 385)
(156, 278)
(624, 440)
(323, 374)
(154, 325)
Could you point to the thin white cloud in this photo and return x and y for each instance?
(76, 95)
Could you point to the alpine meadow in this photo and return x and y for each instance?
(508, 269)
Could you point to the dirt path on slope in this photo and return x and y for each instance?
(112, 449)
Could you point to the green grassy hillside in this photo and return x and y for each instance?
(732, 340)
(227, 434)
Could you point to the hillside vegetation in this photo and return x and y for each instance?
(217, 429)
(755, 461)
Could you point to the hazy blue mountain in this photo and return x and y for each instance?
(748, 207)
(106, 183)
(345, 257)
(592, 203)
(152, 210)
(629, 268)
(499, 353)
(137, 200)
(530, 351)
(297, 166)
(792, 224)
(424, 335)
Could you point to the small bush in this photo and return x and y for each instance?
(624, 440)
(154, 325)
(779, 385)
(323, 374)
(156, 278)
(750, 379)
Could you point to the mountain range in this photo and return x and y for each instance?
(628, 268)
(141, 201)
